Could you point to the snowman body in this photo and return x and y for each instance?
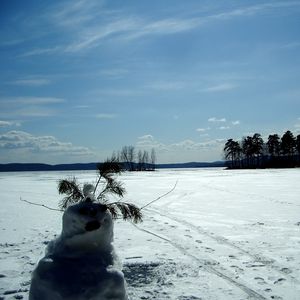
(80, 264)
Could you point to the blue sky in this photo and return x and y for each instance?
(80, 79)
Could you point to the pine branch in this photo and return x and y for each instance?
(112, 187)
(72, 189)
(127, 211)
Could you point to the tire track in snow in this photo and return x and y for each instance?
(206, 266)
(221, 240)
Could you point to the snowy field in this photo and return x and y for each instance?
(219, 235)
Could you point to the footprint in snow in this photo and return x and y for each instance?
(210, 250)
(279, 281)
(260, 280)
(286, 270)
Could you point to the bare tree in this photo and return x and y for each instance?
(140, 160)
(153, 158)
(145, 160)
(127, 155)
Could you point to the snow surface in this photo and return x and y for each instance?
(219, 235)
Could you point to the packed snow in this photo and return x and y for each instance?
(219, 234)
(80, 264)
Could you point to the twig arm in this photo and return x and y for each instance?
(164, 195)
(42, 205)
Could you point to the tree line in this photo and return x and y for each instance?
(253, 152)
(133, 160)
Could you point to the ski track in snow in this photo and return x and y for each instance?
(241, 269)
(264, 261)
(206, 265)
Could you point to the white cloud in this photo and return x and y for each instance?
(202, 129)
(32, 82)
(8, 123)
(235, 123)
(219, 88)
(224, 127)
(182, 151)
(16, 140)
(214, 120)
(31, 100)
(5, 124)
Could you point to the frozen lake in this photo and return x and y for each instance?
(219, 235)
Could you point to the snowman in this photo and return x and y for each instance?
(81, 263)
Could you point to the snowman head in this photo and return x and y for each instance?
(87, 225)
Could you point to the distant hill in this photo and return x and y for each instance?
(192, 165)
(17, 167)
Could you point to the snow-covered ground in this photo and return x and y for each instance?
(219, 235)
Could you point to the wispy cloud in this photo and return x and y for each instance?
(92, 36)
(31, 100)
(224, 127)
(15, 107)
(219, 88)
(10, 43)
(202, 129)
(33, 82)
(214, 119)
(89, 23)
(255, 9)
(42, 51)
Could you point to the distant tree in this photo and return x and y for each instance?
(273, 144)
(153, 158)
(140, 160)
(127, 155)
(257, 146)
(247, 149)
(288, 143)
(256, 153)
(145, 160)
(298, 146)
(298, 143)
(232, 151)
